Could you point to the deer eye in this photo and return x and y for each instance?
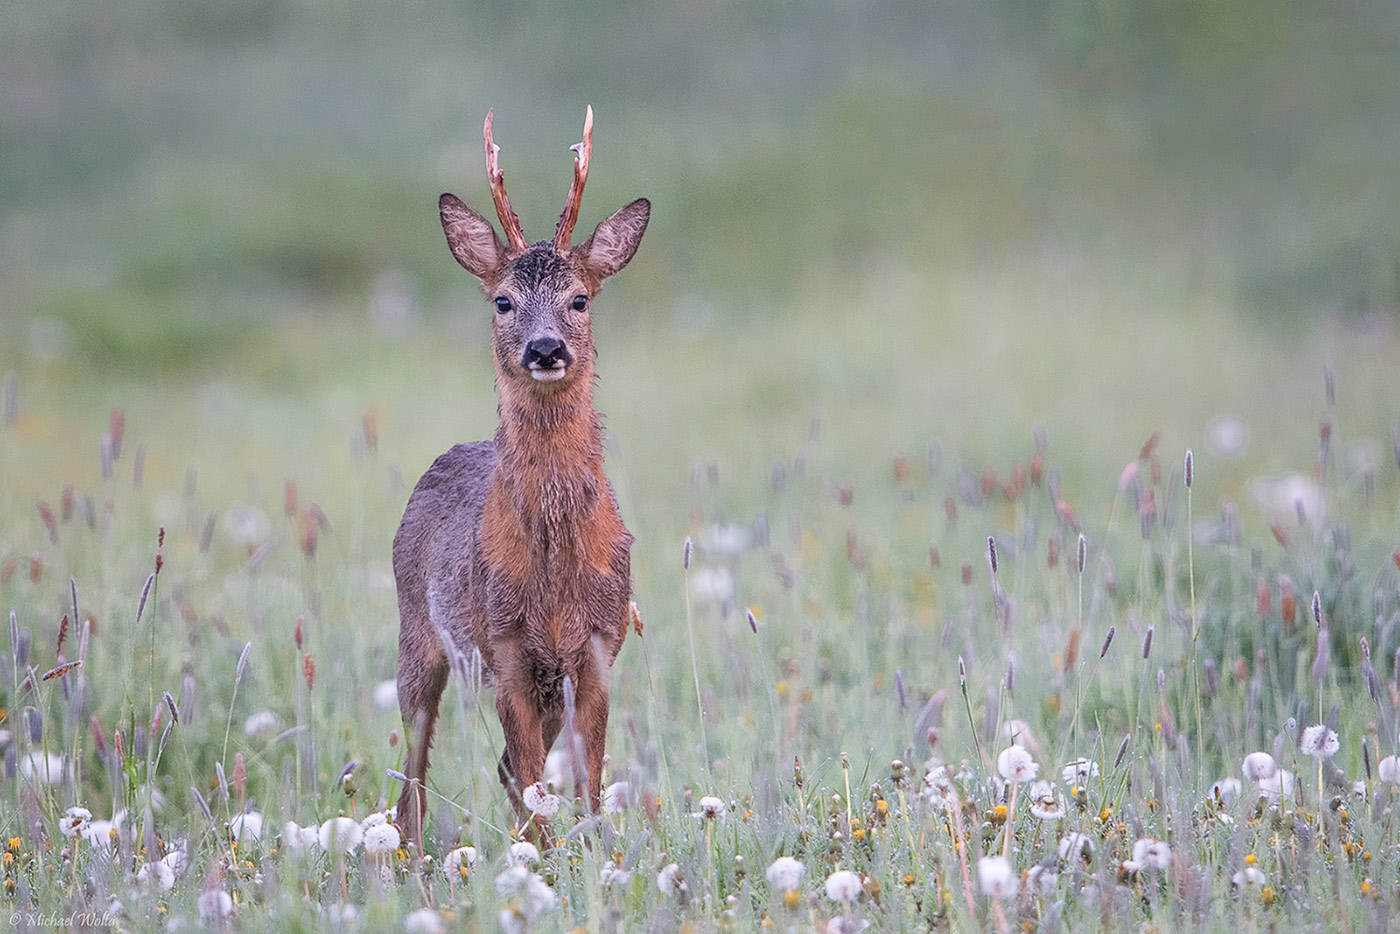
(503, 304)
(580, 302)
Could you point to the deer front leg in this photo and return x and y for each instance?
(592, 725)
(522, 763)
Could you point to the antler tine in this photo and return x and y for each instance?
(582, 151)
(515, 237)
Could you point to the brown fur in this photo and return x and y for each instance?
(515, 547)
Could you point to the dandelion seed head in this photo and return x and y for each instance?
(669, 880)
(423, 921)
(340, 833)
(381, 839)
(785, 873)
(843, 886)
(540, 802)
(1277, 786)
(711, 807)
(523, 853)
(1015, 764)
(1320, 742)
(460, 857)
(1258, 766)
(1153, 854)
(996, 878)
(247, 826)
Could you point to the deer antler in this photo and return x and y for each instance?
(515, 237)
(565, 228)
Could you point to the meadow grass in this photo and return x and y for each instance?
(855, 721)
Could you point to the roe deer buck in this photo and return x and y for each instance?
(515, 547)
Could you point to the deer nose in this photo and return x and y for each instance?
(546, 353)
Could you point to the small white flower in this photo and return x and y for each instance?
(381, 838)
(843, 886)
(423, 921)
(712, 585)
(299, 839)
(512, 881)
(785, 873)
(1076, 845)
(341, 833)
(175, 859)
(540, 802)
(711, 807)
(1358, 790)
(1047, 807)
(617, 797)
(1258, 766)
(246, 827)
(1249, 876)
(1154, 854)
(1320, 742)
(1016, 765)
(541, 895)
(535, 894)
(386, 695)
(669, 880)
(996, 877)
(556, 769)
(613, 876)
(843, 925)
(262, 723)
(374, 819)
(341, 913)
(157, 876)
(44, 768)
(1389, 770)
(1079, 771)
(214, 905)
(1277, 786)
(523, 853)
(75, 821)
(728, 539)
(99, 835)
(1042, 880)
(1227, 790)
(936, 774)
(463, 856)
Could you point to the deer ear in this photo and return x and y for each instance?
(470, 236)
(615, 242)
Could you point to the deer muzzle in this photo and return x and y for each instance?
(547, 359)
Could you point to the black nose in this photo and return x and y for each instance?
(547, 353)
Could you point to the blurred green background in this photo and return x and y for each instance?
(950, 220)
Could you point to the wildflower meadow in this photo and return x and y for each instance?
(925, 696)
(1003, 401)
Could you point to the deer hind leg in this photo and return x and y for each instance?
(421, 681)
(591, 721)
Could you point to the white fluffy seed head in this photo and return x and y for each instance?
(1016, 765)
(1258, 766)
(1320, 742)
(785, 873)
(996, 878)
(843, 886)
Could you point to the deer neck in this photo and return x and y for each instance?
(550, 453)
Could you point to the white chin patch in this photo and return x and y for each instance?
(548, 376)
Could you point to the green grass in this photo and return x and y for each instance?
(846, 598)
(890, 249)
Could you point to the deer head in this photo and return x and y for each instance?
(542, 334)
